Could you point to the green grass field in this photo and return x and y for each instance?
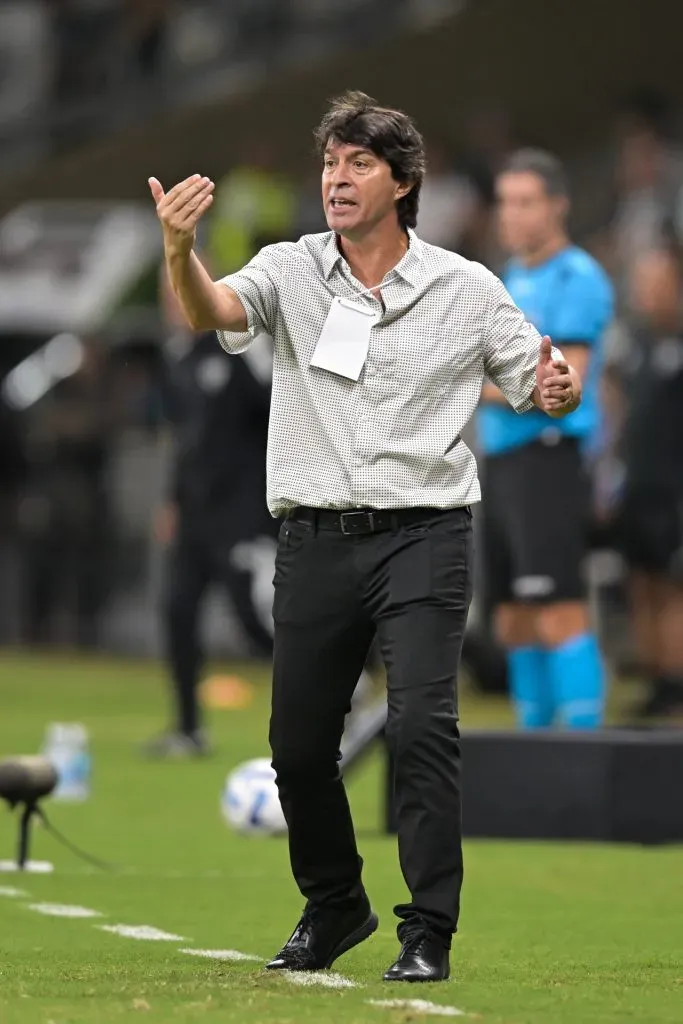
(550, 933)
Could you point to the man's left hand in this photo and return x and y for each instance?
(558, 388)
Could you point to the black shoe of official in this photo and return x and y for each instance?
(423, 957)
(322, 935)
(172, 746)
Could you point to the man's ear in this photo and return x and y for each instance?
(562, 206)
(403, 189)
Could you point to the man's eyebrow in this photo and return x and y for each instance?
(360, 151)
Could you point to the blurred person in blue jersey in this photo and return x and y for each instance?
(535, 488)
(215, 524)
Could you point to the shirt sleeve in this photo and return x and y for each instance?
(511, 348)
(584, 311)
(256, 287)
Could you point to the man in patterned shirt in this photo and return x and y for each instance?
(381, 346)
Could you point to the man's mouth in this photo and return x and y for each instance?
(337, 203)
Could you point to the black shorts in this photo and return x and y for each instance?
(649, 529)
(534, 524)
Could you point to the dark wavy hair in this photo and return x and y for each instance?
(358, 120)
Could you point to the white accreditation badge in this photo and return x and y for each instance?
(345, 338)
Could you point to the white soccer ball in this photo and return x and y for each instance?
(250, 801)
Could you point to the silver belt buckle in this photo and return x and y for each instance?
(355, 516)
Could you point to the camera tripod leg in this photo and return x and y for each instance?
(24, 836)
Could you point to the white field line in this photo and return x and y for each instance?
(222, 954)
(141, 931)
(419, 1006)
(145, 932)
(63, 910)
(31, 867)
(327, 979)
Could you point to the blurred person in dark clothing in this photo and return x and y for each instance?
(64, 512)
(265, 25)
(144, 25)
(215, 523)
(12, 477)
(86, 35)
(489, 140)
(12, 464)
(649, 173)
(650, 521)
(448, 201)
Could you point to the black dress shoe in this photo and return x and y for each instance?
(423, 957)
(322, 935)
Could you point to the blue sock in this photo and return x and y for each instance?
(530, 687)
(577, 676)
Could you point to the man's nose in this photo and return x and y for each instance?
(340, 176)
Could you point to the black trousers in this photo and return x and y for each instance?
(412, 585)
(194, 563)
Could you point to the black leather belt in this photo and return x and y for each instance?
(363, 520)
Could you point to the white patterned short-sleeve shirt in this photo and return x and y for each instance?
(391, 439)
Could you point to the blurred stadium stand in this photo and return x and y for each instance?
(83, 70)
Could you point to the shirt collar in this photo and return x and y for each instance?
(330, 255)
(408, 266)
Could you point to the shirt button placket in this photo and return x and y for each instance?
(360, 448)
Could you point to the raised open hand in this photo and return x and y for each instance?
(180, 209)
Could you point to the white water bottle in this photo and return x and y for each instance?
(66, 747)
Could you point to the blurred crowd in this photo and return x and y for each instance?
(54, 470)
(71, 68)
(56, 52)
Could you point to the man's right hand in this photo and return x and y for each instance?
(180, 209)
(207, 305)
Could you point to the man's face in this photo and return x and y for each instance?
(357, 188)
(527, 216)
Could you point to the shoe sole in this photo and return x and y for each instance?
(355, 938)
(417, 981)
